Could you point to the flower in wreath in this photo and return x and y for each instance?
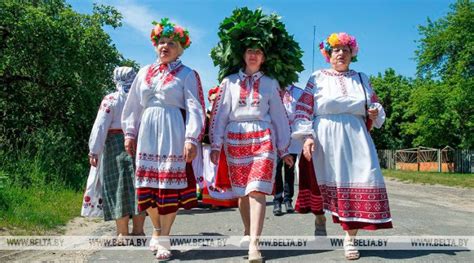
(170, 30)
(335, 39)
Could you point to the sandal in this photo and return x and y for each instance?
(255, 256)
(154, 241)
(245, 241)
(163, 252)
(350, 251)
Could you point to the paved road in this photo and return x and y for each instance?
(416, 210)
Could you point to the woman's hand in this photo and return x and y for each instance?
(288, 159)
(93, 161)
(308, 148)
(131, 146)
(373, 113)
(215, 156)
(190, 152)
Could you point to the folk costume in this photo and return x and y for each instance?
(249, 122)
(165, 110)
(115, 169)
(333, 111)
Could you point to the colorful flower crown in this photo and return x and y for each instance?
(167, 29)
(339, 39)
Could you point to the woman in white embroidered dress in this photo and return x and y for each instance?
(331, 117)
(164, 118)
(116, 167)
(250, 121)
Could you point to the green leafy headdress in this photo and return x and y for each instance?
(252, 29)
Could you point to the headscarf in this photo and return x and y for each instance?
(123, 78)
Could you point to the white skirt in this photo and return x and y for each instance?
(160, 161)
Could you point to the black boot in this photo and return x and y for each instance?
(289, 207)
(277, 209)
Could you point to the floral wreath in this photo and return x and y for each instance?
(339, 39)
(167, 29)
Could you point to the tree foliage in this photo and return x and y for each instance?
(443, 100)
(55, 66)
(393, 92)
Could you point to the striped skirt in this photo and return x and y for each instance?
(169, 200)
(309, 197)
(251, 157)
(117, 172)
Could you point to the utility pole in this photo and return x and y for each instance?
(314, 44)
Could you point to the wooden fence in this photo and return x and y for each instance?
(459, 161)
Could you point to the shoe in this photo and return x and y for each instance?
(255, 256)
(163, 252)
(277, 209)
(289, 207)
(154, 244)
(245, 241)
(320, 228)
(350, 250)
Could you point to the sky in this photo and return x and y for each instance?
(386, 30)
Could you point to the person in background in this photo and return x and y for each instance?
(284, 190)
(116, 166)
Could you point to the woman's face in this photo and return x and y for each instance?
(168, 50)
(254, 58)
(340, 58)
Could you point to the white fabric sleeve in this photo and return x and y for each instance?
(101, 126)
(304, 113)
(195, 108)
(280, 121)
(133, 110)
(374, 101)
(220, 116)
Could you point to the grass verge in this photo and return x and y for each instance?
(448, 179)
(37, 210)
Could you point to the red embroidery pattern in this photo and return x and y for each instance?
(154, 69)
(215, 108)
(256, 97)
(250, 150)
(248, 135)
(363, 203)
(304, 106)
(201, 101)
(340, 78)
(243, 174)
(160, 158)
(107, 103)
(244, 92)
(152, 175)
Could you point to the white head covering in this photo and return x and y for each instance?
(123, 78)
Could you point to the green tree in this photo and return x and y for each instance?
(443, 101)
(55, 66)
(393, 92)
